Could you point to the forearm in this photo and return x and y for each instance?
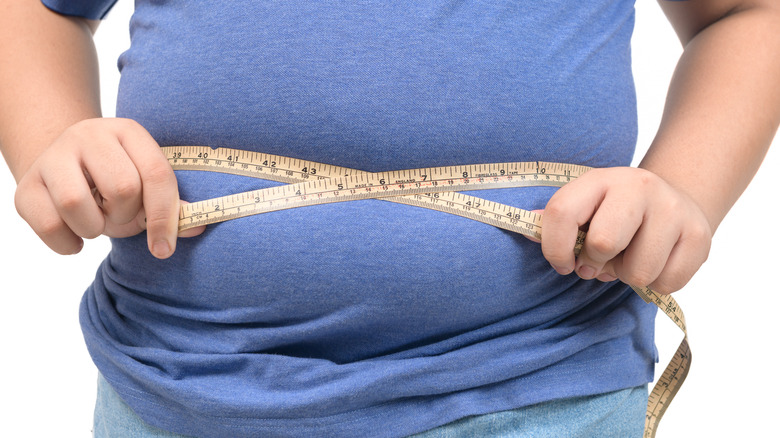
(49, 77)
(722, 110)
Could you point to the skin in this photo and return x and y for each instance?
(653, 225)
(80, 176)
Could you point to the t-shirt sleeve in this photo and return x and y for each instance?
(91, 9)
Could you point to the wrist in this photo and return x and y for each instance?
(21, 151)
(695, 192)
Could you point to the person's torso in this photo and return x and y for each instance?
(375, 86)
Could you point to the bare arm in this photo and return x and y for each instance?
(49, 72)
(723, 106)
(653, 225)
(79, 175)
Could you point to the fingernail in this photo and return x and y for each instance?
(161, 249)
(561, 270)
(586, 272)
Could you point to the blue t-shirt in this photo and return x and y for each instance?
(366, 318)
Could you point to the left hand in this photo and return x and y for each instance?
(640, 229)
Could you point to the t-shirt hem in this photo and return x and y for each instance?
(406, 416)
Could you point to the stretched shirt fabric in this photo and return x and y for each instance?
(366, 318)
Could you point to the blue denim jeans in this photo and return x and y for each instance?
(615, 414)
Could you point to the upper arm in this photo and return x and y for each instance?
(86, 23)
(86, 13)
(692, 16)
(91, 24)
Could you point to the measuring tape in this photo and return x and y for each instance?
(311, 183)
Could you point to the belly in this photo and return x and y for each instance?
(381, 91)
(340, 281)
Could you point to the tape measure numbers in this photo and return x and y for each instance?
(312, 183)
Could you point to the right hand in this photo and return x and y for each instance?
(102, 177)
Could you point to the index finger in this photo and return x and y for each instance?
(160, 193)
(571, 207)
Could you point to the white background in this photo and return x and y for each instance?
(48, 380)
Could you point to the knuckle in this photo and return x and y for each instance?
(601, 244)
(666, 284)
(556, 255)
(554, 209)
(123, 190)
(128, 126)
(95, 131)
(553, 248)
(157, 221)
(661, 288)
(160, 174)
(673, 203)
(639, 277)
(20, 201)
(701, 234)
(91, 234)
(704, 255)
(71, 201)
(556, 259)
(126, 123)
(80, 126)
(646, 178)
(84, 129)
(49, 227)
